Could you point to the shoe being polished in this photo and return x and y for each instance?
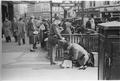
(53, 63)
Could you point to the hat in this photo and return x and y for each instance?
(57, 22)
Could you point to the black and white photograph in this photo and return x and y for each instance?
(60, 40)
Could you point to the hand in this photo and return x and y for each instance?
(63, 38)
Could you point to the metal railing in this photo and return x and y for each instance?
(88, 41)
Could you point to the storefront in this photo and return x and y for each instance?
(7, 10)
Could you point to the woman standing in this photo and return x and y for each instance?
(15, 29)
(21, 31)
(7, 30)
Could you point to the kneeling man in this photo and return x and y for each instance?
(77, 53)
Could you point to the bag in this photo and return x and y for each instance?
(42, 27)
(66, 64)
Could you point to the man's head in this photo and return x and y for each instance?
(64, 44)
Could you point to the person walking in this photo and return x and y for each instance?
(53, 39)
(15, 29)
(21, 31)
(7, 30)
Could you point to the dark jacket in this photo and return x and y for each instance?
(54, 35)
(30, 28)
(79, 53)
(88, 25)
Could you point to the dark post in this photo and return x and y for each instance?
(82, 6)
(51, 10)
(65, 13)
(78, 9)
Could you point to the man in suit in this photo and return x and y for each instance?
(31, 29)
(53, 39)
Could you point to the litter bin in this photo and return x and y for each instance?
(95, 54)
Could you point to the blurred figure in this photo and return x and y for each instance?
(7, 30)
(21, 31)
(68, 28)
(44, 33)
(15, 29)
(88, 24)
(53, 39)
(31, 35)
(92, 22)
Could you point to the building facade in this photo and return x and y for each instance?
(102, 8)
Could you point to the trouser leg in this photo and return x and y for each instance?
(19, 40)
(7, 40)
(23, 41)
(52, 54)
(15, 38)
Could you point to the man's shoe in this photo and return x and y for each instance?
(32, 50)
(53, 63)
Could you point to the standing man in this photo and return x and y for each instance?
(21, 31)
(53, 39)
(31, 30)
(92, 22)
(7, 30)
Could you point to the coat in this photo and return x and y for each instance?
(15, 28)
(30, 28)
(67, 29)
(30, 32)
(54, 35)
(79, 53)
(7, 28)
(21, 29)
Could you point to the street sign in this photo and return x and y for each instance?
(66, 5)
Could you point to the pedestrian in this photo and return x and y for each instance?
(67, 28)
(44, 33)
(53, 39)
(21, 31)
(88, 24)
(92, 21)
(15, 29)
(31, 35)
(7, 30)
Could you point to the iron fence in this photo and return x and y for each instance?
(88, 41)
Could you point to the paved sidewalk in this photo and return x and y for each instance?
(20, 64)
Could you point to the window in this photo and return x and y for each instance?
(90, 3)
(106, 3)
(93, 3)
